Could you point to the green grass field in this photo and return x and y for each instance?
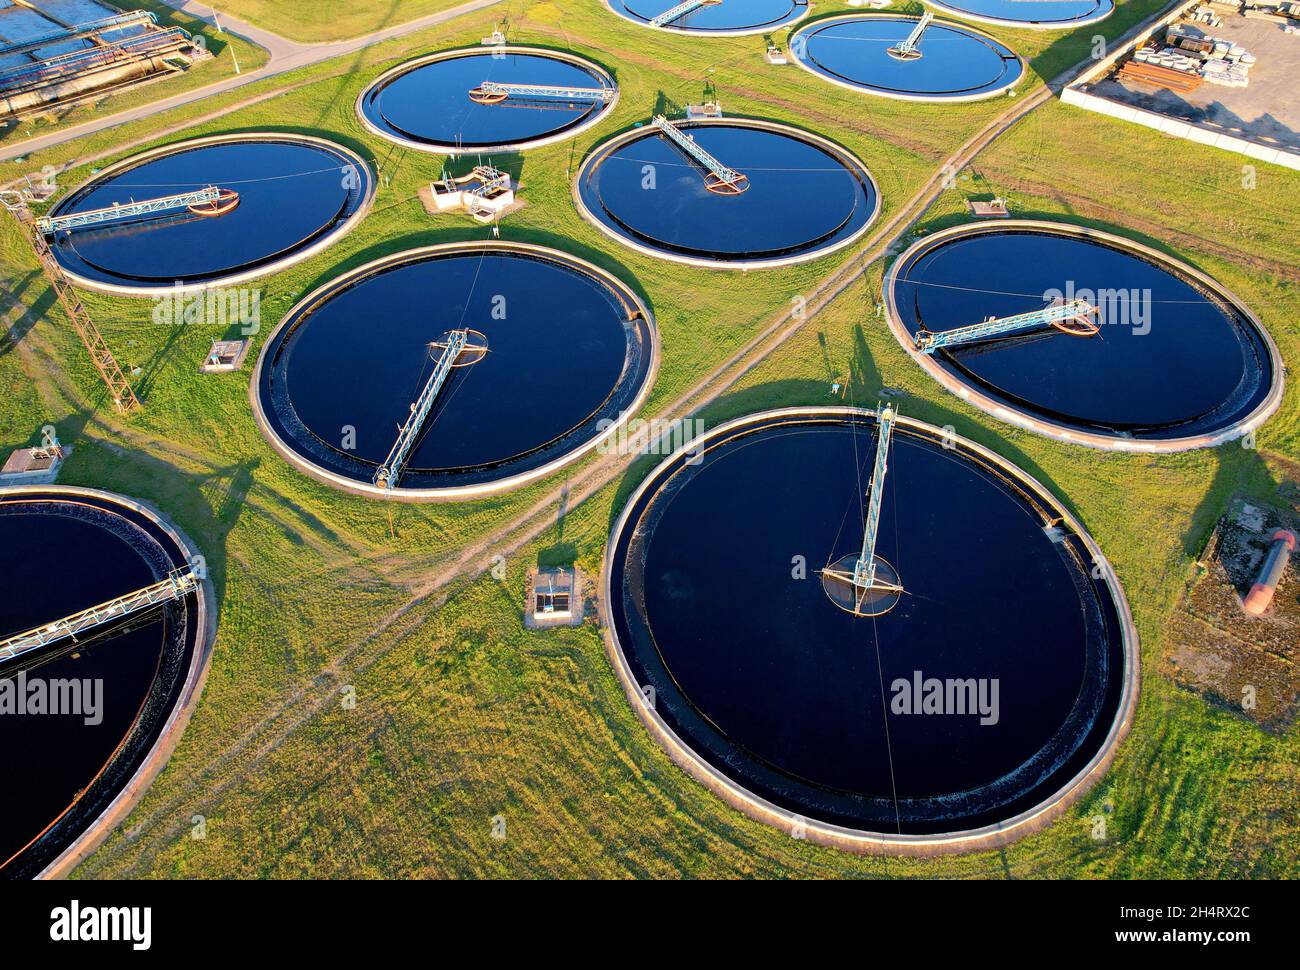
(462, 715)
(327, 20)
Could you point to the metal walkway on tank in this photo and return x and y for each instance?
(180, 583)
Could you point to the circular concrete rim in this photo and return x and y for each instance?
(858, 840)
(456, 493)
(293, 259)
(1022, 24)
(205, 634)
(849, 160)
(743, 32)
(895, 96)
(511, 147)
(1053, 429)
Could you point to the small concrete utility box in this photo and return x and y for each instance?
(709, 109)
(993, 209)
(553, 597)
(225, 356)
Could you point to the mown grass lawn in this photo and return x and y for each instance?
(463, 715)
(326, 20)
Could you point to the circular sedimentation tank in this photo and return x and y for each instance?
(126, 688)
(295, 196)
(800, 196)
(559, 354)
(1034, 14)
(437, 103)
(1177, 361)
(967, 712)
(718, 18)
(950, 62)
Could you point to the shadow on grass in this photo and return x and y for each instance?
(29, 312)
(863, 383)
(205, 506)
(143, 383)
(1241, 469)
(215, 526)
(559, 552)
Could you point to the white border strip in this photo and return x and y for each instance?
(510, 147)
(1053, 429)
(847, 158)
(459, 492)
(986, 837)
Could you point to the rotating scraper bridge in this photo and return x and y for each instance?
(209, 200)
(720, 179)
(492, 92)
(868, 585)
(452, 347)
(1075, 317)
(180, 583)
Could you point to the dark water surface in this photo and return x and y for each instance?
(431, 104)
(290, 195)
(953, 62)
(781, 689)
(800, 199)
(1184, 363)
(56, 558)
(560, 353)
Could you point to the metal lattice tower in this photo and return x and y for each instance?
(180, 583)
(726, 176)
(1077, 311)
(546, 92)
(127, 210)
(124, 399)
(391, 470)
(864, 570)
